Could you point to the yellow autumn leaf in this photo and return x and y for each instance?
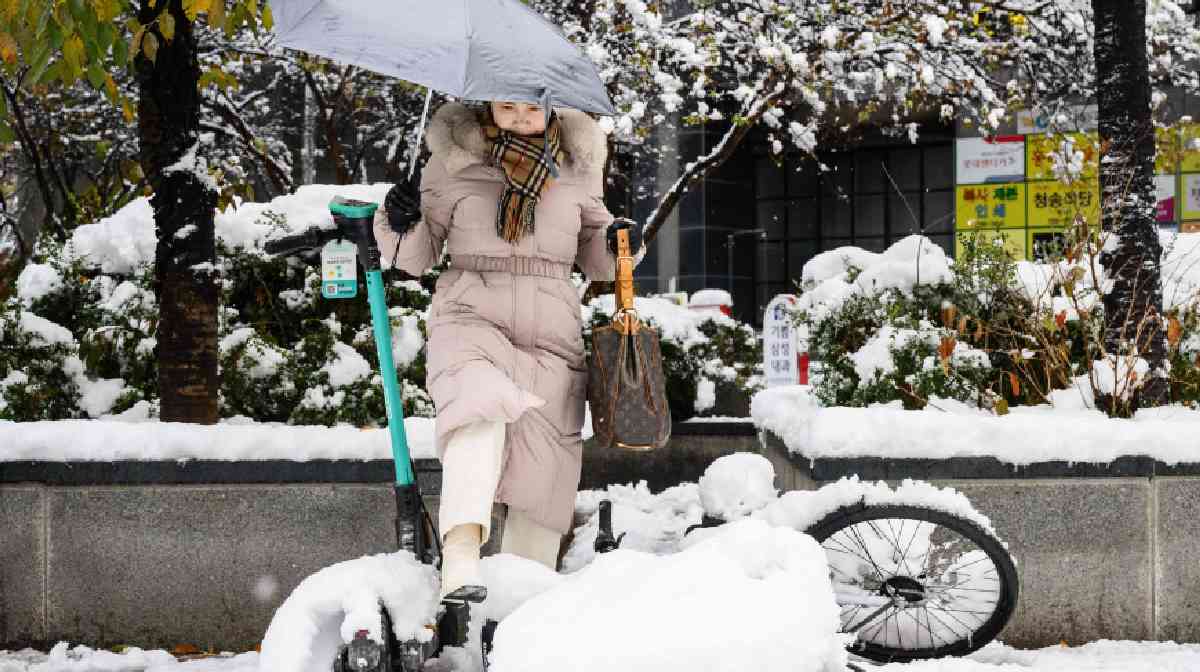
(166, 26)
(73, 51)
(8, 48)
(1174, 331)
(193, 8)
(216, 14)
(106, 10)
(110, 87)
(150, 46)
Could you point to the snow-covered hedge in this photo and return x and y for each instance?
(79, 335)
(77, 339)
(909, 326)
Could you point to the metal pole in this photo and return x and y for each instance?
(416, 150)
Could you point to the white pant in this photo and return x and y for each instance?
(470, 475)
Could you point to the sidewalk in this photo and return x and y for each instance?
(1105, 656)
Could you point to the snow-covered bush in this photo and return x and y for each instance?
(706, 355)
(78, 338)
(871, 320)
(989, 330)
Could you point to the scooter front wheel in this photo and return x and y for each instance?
(916, 583)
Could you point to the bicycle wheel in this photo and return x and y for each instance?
(916, 583)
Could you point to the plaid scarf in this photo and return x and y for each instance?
(526, 173)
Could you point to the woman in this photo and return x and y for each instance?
(505, 364)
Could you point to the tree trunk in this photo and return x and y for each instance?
(183, 203)
(1133, 307)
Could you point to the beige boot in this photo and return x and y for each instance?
(524, 537)
(460, 558)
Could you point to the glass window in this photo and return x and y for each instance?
(834, 243)
(802, 177)
(803, 218)
(769, 178)
(773, 263)
(939, 212)
(868, 216)
(903, 220)
(772, 216)
(939, 167)
(691, 251)
(835, 217)
(799, 252)
(839, 179)
(905, 168)
(868, 172)
(872, 244)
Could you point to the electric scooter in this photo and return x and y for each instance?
(345, 246)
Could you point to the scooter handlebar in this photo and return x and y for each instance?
(309, 239)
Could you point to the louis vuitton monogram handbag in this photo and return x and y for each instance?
(626, 387)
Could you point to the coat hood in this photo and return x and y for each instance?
(455, 135)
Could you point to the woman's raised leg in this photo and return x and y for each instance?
(470, 473)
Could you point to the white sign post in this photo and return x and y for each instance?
(780, 356)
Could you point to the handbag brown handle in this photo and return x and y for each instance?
(625, 314)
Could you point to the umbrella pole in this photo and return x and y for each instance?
(420, 134)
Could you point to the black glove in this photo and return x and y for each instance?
(635, 234)
(403, 207)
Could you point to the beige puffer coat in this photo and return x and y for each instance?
(505, 337)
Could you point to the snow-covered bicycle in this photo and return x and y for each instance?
(916, 571)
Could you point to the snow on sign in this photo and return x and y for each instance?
(779, 343)
(997, 159)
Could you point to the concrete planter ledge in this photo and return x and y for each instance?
(202, 552)
(1104, 550)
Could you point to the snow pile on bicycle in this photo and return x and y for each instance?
(794, 580)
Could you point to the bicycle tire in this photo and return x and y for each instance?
(1007, 591)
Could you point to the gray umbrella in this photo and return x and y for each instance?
(475, 49)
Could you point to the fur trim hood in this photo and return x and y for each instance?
(456, 136)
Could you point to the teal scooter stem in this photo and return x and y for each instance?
(357, 217)
(354, 221)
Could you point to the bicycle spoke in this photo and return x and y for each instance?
(863, 545)
(870, 617)
(896, 544)
(945, 625)
(916, 531)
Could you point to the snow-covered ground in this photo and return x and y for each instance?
(1068, 429)
(1105, 656)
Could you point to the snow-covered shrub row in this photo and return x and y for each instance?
(705, 354)
(77, 339)
(910, 326)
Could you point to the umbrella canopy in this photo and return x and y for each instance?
(474, 49)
